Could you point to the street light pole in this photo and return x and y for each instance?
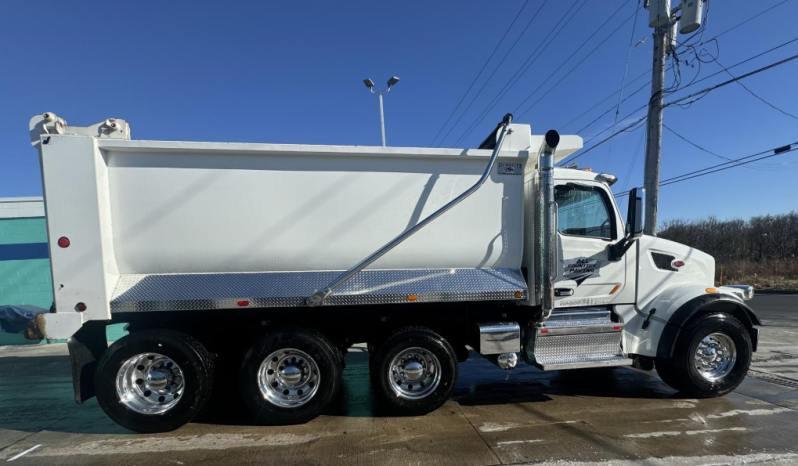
(382, 118)
(370, 84)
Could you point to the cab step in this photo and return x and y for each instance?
(577, 339)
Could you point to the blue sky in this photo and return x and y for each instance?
(291, 72)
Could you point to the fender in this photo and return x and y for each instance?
(718, 301)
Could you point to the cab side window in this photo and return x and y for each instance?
(583, 211)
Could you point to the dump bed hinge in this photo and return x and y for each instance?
(50, 123)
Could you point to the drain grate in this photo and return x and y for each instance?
(767, 377)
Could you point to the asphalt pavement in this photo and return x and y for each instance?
(620, 416)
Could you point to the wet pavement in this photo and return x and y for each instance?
(566, 417)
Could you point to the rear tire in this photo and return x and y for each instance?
(290, 376)
(711, 358)
(414, 371)
(154, 380)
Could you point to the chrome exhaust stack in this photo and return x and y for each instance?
(546, 226)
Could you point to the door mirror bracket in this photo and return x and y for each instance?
(634, 224)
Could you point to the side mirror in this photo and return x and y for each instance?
(634, 224)
(634, 215)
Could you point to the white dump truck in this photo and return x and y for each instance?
(259, 265)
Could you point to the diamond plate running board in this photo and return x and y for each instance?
(577, 340)
(184, 292)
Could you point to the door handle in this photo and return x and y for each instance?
(563, 292)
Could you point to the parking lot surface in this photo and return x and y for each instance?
(568, 417)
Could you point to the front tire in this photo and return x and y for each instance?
(290, 376)
(154, 380)
(711, 358)
(414, 371)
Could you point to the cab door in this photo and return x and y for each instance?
(587, 225)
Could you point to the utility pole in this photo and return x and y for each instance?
(664, 21)
(654, 131)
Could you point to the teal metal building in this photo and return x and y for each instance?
(25, 260)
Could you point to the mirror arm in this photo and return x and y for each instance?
(618, 249)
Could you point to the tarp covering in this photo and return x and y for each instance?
(13, 318)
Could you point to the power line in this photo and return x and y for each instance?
(544, 44)
(568, 73)
(773, 49)
(480, 72)
(745, 22)
(493, 104)
(727, 165)
(702, 92)
(624, 130)
(634, 159)
(725, 83)
(702, 149)
(623, 83)
(755, 94)
(495, 69)
(645, 73)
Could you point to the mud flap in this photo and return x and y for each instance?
(86, 347)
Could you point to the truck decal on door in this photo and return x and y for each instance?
(580, 269)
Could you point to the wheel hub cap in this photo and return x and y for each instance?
(414, 370)
(288, 378)
(291, 375)
(715, 356)
(414, 373)
(149, 383)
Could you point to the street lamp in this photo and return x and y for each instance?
(370, 84)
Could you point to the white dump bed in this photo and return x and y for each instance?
(147, 217)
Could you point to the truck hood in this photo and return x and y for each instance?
(698, 268)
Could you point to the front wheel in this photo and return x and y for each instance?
(711, 357)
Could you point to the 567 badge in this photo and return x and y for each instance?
(510, 168)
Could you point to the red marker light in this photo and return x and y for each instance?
(544, 330)
(80, 307)
(63, 242)
(617, 327)
(677, 264)
(243, 303)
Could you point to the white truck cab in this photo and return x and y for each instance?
(263, 263)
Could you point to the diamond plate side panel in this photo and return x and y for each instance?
(142, 293)
(588, 348)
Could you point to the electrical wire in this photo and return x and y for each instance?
(531, 59)
(480, 71)
(606, 99)
(569, 72)
(495, 69)
(703, 92)
(702, 149)
(624, 130)
(623, 82)
(746, 21)
(634, 159)
(755, 94)
(727, 165)
(773, 49)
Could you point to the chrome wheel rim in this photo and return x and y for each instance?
(288, 378)
(715, 356)
(149, 383)
(414, 373)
